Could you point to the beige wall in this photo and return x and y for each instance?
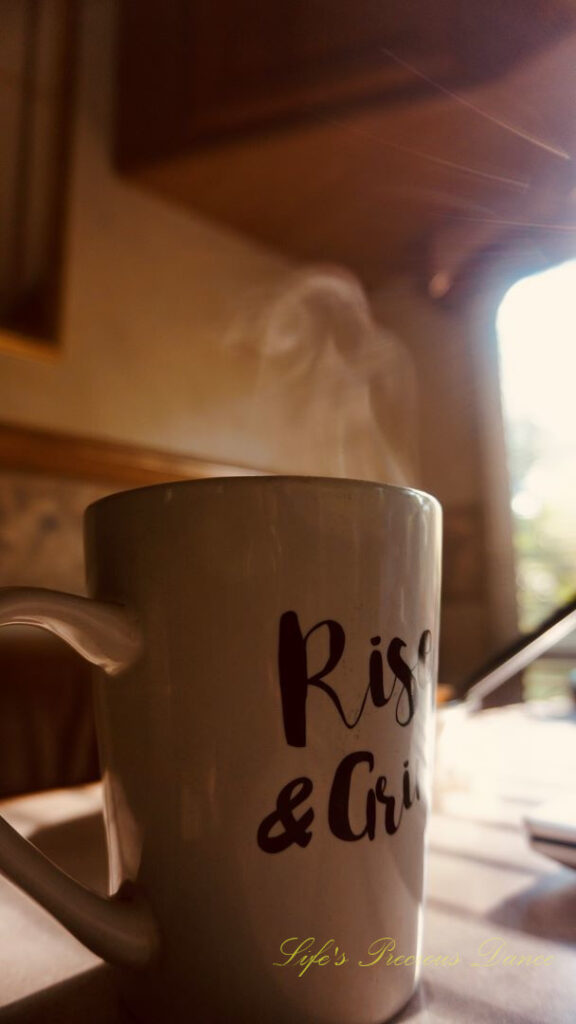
(150, 291)
(152, 295)
(463, 464)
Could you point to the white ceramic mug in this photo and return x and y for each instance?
(265, 691)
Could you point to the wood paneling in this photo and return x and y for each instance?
(22, 448)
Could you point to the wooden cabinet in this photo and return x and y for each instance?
(200, 71)
(324, 128)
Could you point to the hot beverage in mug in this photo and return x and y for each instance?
(265, 653)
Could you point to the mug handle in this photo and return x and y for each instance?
(121, 928)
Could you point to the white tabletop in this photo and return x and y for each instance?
(489, 895)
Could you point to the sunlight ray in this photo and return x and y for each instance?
(498, 121)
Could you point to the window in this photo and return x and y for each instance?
(536, 328)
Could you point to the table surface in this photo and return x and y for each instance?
(490, 897)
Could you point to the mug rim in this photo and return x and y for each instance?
(266, 479)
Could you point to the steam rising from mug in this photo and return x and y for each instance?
(329, 393)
